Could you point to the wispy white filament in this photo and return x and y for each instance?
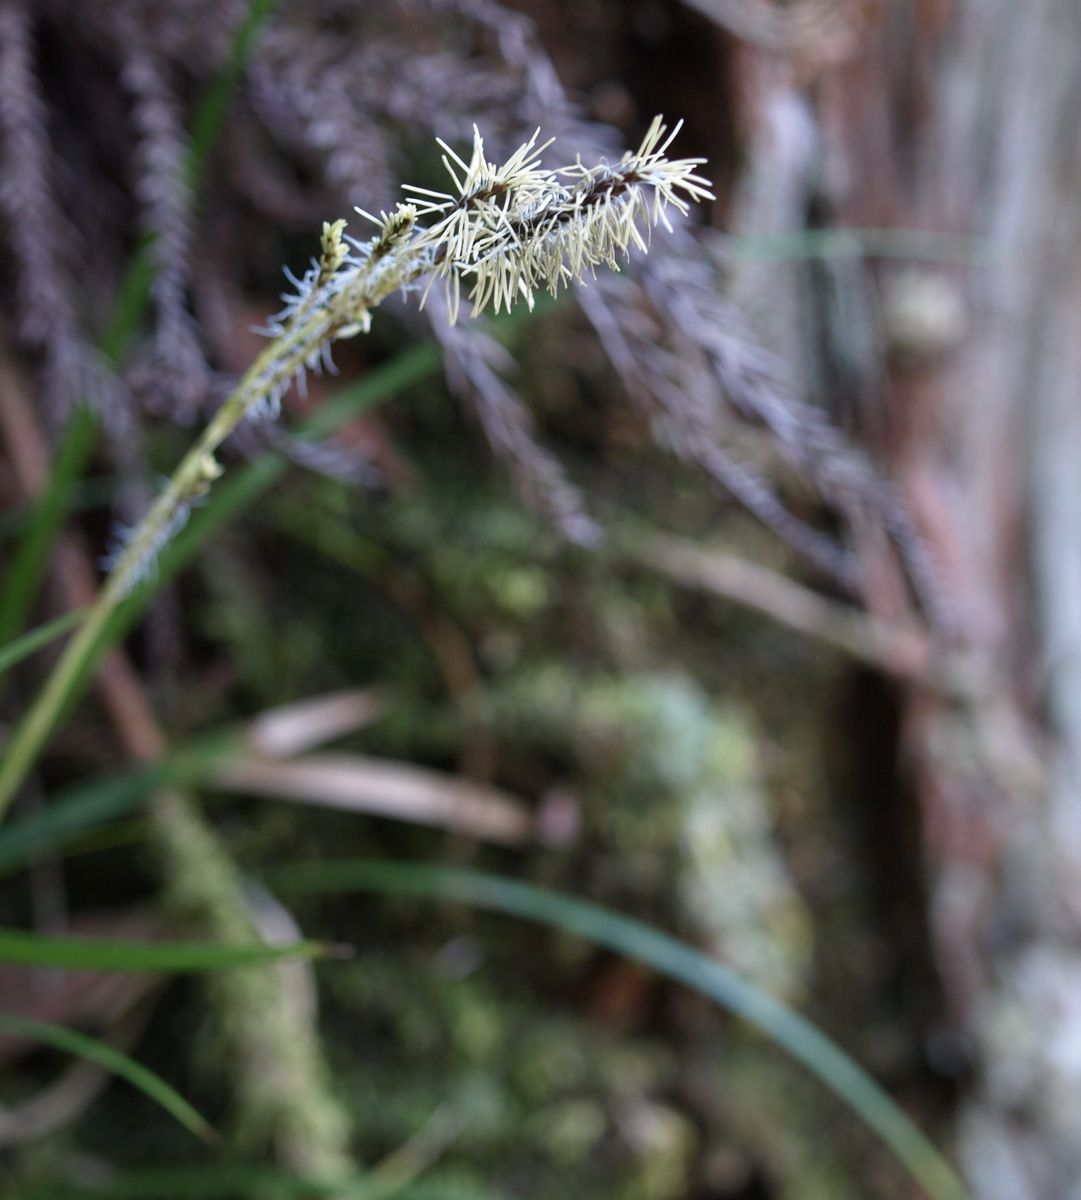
(506, 231)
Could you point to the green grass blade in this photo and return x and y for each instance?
(72, 812)
(114, 1061)
(410, 367)
(242, 488)
(669, 957)
(215, 1182)
(225, 1181)
(130, 304)
(26, 645)
(100, 954)
(46, 516)
(93, 492)
(212, 109)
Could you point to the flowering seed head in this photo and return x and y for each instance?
(334, 248)
(504, 232)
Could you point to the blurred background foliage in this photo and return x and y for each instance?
(600, 598)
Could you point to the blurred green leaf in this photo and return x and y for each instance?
(211, 111)
(44, 520)
(94, 954)
(667, 956)
(242, 488)
(23, 647)
(225, 1181)
(114, 1061)
(72, 812)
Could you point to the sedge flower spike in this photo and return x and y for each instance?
(504, 232)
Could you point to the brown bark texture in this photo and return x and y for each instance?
(962, 117)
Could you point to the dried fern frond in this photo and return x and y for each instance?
(164, 194)
(46, 320)
(477, 366)
(303, 85)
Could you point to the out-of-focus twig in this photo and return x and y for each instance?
(294, 728)
(358, 784)
(900, 652)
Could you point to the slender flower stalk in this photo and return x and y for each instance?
(503, 233)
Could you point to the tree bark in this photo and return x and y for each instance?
(962, 116)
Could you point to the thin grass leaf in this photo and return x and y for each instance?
(114, 1061)
(212, 109)
(99, 954)
(43, 523)
(405, 370)
(242, 488)
(95, 492)
(226, 1180)
(72, 812)
(236, 493)
(131, 301)
(669, 957)
(217, 1182)
(23, 647)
